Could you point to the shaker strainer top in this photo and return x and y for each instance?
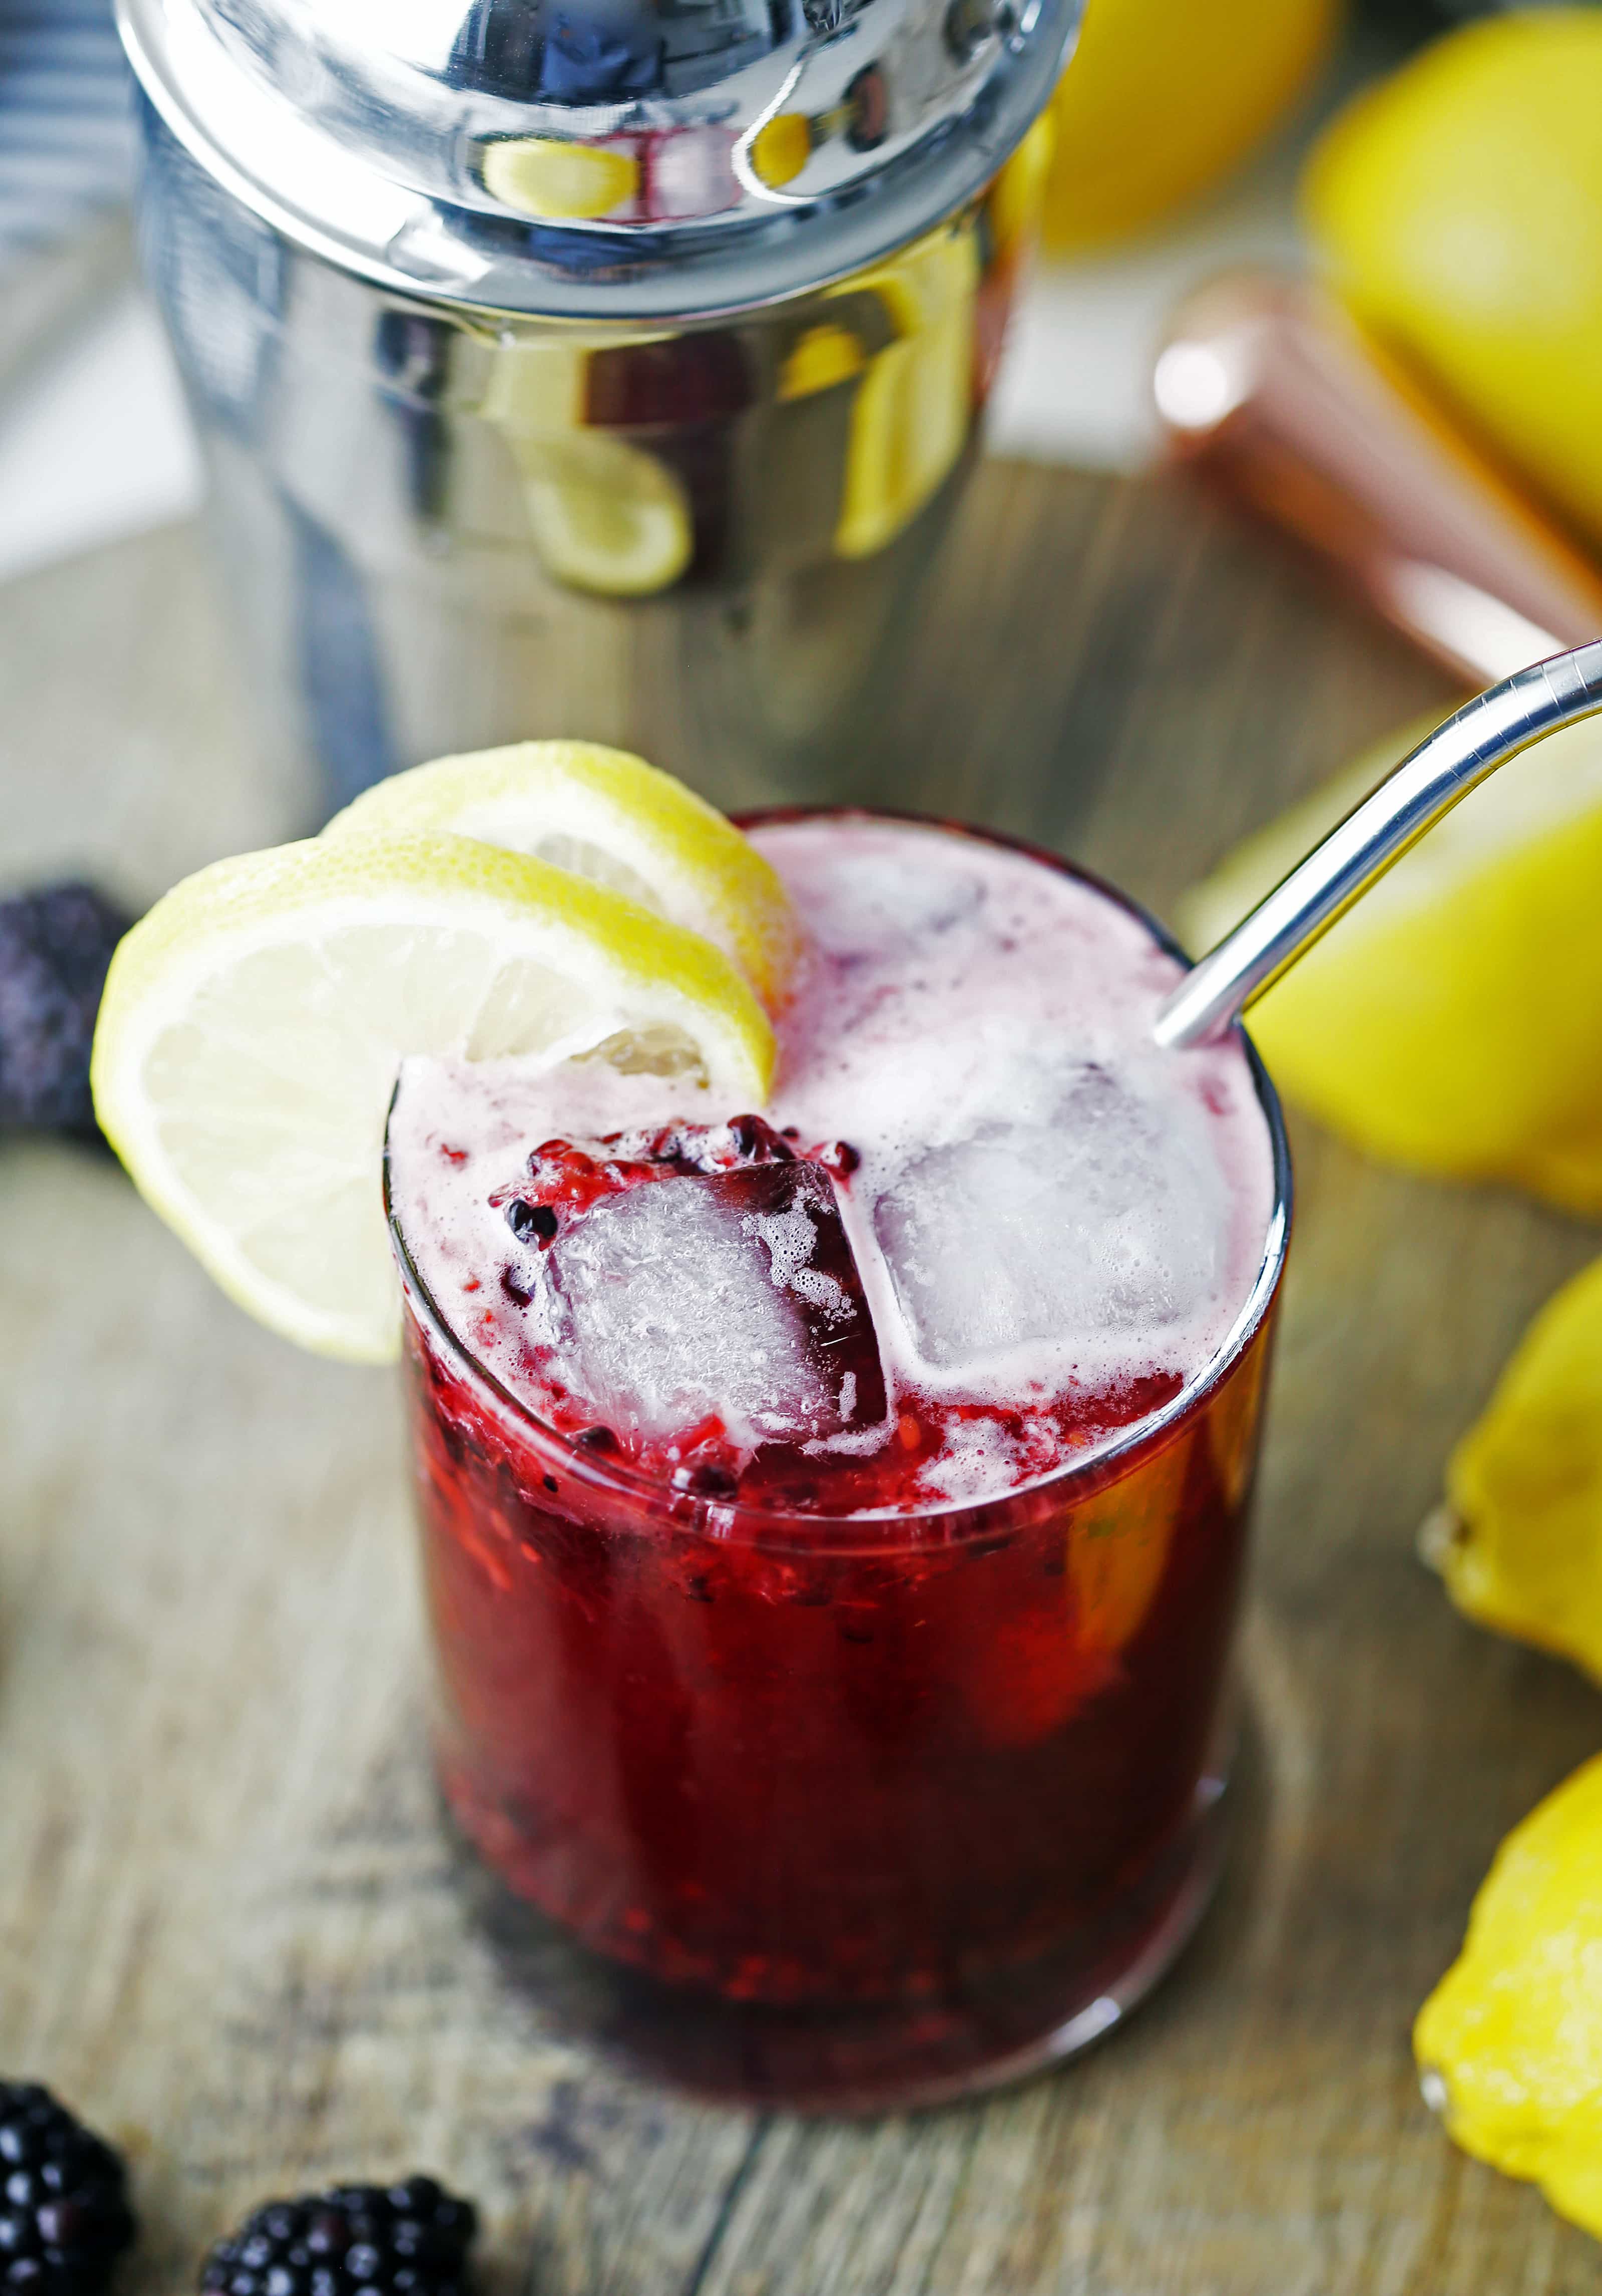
(632, 158)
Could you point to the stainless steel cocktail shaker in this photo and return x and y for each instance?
(599, 367)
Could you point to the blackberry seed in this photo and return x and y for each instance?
(409, 2239)
(64, 2216)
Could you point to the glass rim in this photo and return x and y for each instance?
(951, 1522)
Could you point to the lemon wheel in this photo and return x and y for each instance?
(253, 1023)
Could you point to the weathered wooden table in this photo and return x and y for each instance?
(227, 1929)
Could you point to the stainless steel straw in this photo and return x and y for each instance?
(1455, 759)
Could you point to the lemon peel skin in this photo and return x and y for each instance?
(1510, 2041)
(1520, 1550)
(1449, 1022)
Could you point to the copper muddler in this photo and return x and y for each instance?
(1268, 388)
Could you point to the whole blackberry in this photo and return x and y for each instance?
(55, 945)
(356, 2240)
(64, 2217)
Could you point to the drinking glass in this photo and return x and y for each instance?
(836, 1811)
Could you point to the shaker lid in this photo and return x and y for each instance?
(626, 158)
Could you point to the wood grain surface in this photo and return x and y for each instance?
(228, 1932)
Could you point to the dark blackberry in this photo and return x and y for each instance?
(355, 2240)
(526, 1220)
(64, 2217)
(55, 945)
(755, 1142)
(707, 1148)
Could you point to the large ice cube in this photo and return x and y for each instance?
(735, 1294)
(1106, 1222)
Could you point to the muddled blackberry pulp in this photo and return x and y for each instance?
(786, 1684)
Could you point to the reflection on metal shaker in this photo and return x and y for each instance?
(599, 367)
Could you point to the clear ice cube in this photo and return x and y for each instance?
(1106, 1223)
(734, 1294)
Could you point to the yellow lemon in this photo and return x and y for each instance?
(1118, 1542)
(1510, 2043)
(1163, 98)
(914, 406)
(571, 181)
(607, 515)
(1519, 1540)
(823, 357)
(1011, 205)
(1458, 210)
(605, 815)
(1450, 1021)
(781, 149)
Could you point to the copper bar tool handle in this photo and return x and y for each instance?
(1267, 389)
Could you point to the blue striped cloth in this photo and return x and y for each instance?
(65, 123)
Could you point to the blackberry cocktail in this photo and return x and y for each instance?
(832, 1511)
(836, 1333)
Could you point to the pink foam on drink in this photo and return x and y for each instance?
(1045, 1210)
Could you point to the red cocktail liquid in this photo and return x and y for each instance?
(827, 1818)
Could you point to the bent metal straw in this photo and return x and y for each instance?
(1454, 760)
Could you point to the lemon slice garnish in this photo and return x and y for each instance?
(253, 1025)
(608, 816)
